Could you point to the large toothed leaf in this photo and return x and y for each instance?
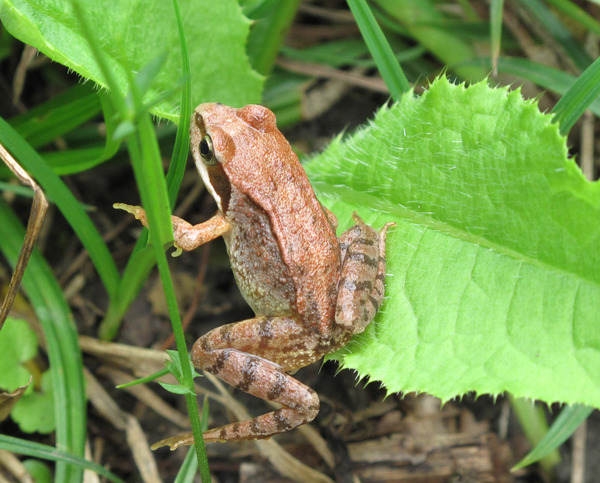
(133, 33)
(494, 267)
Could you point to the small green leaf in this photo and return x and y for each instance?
(34, 412)
(39, 471)
(494, 282)
(174, 367)
(143, 380)
(18, 344)
(175, 388)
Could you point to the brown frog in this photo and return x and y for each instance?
(310, 291)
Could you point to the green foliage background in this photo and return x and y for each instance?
(133, 33)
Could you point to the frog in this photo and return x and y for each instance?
(310, 290)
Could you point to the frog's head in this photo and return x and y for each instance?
(237, 149)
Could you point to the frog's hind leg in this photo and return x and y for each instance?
(255, 355)
(361, 287)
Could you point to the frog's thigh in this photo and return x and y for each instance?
(361, 286)
(281, 340)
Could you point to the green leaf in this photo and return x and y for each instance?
(176, 388)
(40, 472)
(34, 412)
(133, 34)
(175, 368)
(494, 280)
(18, 343)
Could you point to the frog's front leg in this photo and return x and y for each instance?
(186, 236)
(255, 355)
(361, 287)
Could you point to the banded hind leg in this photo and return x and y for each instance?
(255, 355)
(361, 288)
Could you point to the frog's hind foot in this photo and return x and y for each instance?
(261, 427)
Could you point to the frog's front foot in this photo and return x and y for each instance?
(174, 442)
(136, 211)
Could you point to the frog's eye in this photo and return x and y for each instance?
(207, 152)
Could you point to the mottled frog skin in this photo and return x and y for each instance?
(310, 291)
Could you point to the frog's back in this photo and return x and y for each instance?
(294, 267)
(279, 224)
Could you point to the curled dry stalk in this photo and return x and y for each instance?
(36, 218)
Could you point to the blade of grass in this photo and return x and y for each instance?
(559, 32)
(271, 22)
(50, 453)
(422, 20)
(345, 52)
(496, 8)
(142, 260)
(188, 469)
(138, 267)
(54, 118)
(74, 160)
(182, 138)
(64, 354)
(534, 424)
(146, 161)
(147, 166)
(380, 49)
(578, 98)
(578, 14)
(563, 427)
(66, 202)
(469, 11)
(549, 78)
